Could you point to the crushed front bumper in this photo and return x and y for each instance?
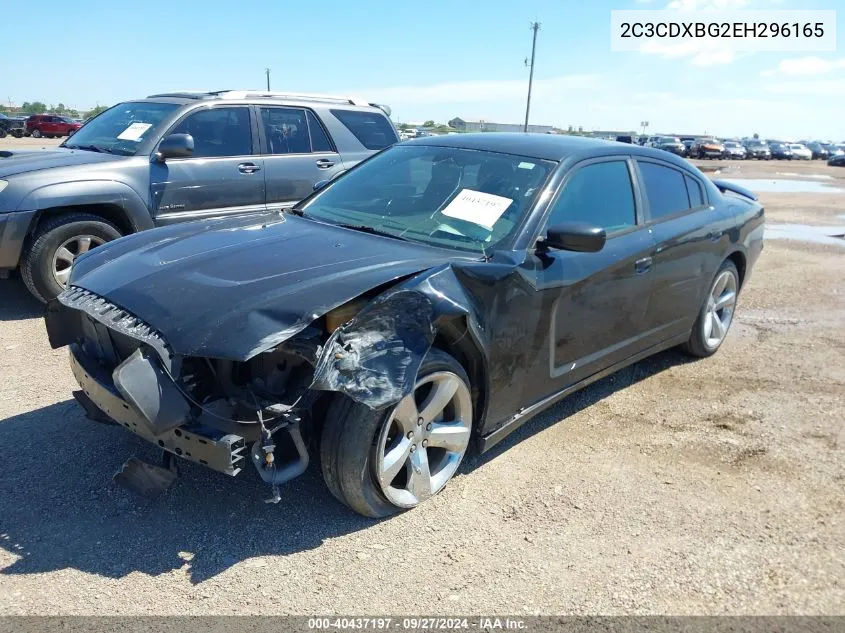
(225, 453)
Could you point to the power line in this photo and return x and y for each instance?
(535, 26)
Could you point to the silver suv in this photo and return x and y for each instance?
(171, 158)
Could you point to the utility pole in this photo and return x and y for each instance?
(267, 72)
(535, 26)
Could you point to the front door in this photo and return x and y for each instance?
(224, 176)
(593, 305)
(298, 153)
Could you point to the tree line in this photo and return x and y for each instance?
(39, 107)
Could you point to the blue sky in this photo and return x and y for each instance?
(435, 60)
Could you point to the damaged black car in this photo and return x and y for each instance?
(433, 298)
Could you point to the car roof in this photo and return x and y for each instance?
(556, 147)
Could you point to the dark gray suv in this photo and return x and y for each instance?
(171, 158)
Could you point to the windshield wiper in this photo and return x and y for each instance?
(90, 148)
(365, 228)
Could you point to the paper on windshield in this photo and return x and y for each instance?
(134, 131)
(480, 208)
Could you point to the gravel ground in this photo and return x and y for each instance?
(707, 487)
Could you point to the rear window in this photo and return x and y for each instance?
(373, 130)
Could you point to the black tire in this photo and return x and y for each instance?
(36, 133)
(37, 260)
(347, 446)
(2, 133)
(17, 133)
(697, 345)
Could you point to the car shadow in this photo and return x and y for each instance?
(16, 303)
(61, 510)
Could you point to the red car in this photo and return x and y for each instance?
(50, 125)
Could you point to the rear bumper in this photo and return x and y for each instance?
(225, 453)
(14, 228)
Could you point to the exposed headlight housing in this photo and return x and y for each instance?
(337, 317)
(3, 184)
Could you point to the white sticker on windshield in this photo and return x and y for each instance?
(524, 165)
(134, 131)
(480, 208)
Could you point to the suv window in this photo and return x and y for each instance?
(293, 131)
(319, 139)
(218, 132)
(600, 194)
(373, 130)
(665, 190)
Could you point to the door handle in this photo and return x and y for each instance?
(248, 168)
(643, 265)
(714, 235)
(325, 163)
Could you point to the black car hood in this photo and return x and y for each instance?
(234, 288)
(20, 161)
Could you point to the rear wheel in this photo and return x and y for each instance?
(46, 264)
(716, 315)
(381, 462)
(36, 133)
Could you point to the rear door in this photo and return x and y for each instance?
(297, 152)
(225, 174)
(689, 239)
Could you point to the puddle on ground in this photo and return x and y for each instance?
(833, 235)
(797, 175)
(784, 185)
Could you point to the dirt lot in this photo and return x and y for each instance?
(673, 487)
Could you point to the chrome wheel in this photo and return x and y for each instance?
(720, 309)
(422, 442)
(69, 250)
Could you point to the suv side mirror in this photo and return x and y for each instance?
(175, 146)
(575, 236)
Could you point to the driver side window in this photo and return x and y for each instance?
(600, 194)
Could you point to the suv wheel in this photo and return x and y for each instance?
(59, 240)
(36, 133)
(381, 462)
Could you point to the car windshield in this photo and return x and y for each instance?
(121, 129)
(732, 144)
(444, 196)
(668, 139)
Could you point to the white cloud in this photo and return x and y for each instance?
(700, 52)
(706, 5)
(819, 88)
(805, 66)
(483, 90)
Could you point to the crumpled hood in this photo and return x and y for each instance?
(233, 288)
(21, 161)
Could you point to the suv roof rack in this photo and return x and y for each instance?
(184, 94)
(266, 94)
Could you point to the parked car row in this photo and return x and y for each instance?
(711, 147)
(38, 125)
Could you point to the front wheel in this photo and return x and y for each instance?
(46, 264)
(716, 315)
(36, 133)
(381, 462)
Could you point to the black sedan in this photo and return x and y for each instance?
(443, 291)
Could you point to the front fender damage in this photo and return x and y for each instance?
(374, 358)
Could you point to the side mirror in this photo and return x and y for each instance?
(175, 146)
(575, 236)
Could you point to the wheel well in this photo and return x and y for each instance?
(111, 212)
(453, 337)
(738, 260)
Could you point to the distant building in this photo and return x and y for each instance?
(488, 126)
